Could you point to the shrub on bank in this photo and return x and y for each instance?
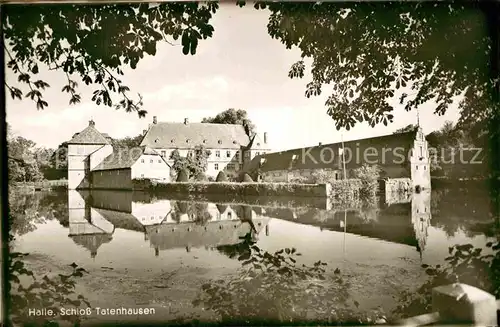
(247, 179)
(369, 176)
(141, 183)
(201, 177)
(221, 177)
(346, 189)
(182, 177)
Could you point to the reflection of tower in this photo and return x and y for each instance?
(421, 217)
(87, 227)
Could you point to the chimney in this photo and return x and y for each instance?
(265, 137)
(154, 120)
(91, 123)
(319, 144)
(186, 121)
(144, 131)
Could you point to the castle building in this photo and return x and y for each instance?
(231, 147)
(402, 155)
(94, 163)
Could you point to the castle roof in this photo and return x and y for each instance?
(188, 135)
(122, 220)
(328, 155)
(122, 158)
(89, 135)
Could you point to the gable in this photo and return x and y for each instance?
(89, 135)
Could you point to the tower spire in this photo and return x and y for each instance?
(418, 118)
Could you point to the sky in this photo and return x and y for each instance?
(240, 67)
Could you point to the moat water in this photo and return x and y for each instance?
(379, 246)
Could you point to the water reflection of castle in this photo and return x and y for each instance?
(421, 217)
(166, 224)
(404, 220)
(169, 224)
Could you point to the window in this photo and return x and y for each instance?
(164, 153)
(101, 173)
(217, 154)
(264, 152)
(236, 166)
(421, 152)
(230, 167)
(229, 215)
(228, 154)
(425, 167)
(187, 141)
(159, 160)
(151, 161)
(220, 142)
(237, 155)
(257, 153)
(416, 167)
(118, 172)
(204, 141)
(216, 166)
(142, 160)
(142, 175)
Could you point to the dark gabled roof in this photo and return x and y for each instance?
(320, 157)
(122, 220)
(122, 158)
(89, 135)
(180, 135)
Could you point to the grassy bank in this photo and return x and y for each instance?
(336, 190)
(260, 201)
(245, 189)
(42, 185)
